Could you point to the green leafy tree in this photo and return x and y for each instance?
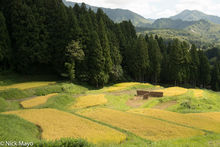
(74, 53)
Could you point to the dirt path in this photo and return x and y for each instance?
(136, 102)
(165, 105)
(23, 99)
(32, 97)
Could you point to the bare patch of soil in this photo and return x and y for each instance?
(123, 92)
(165, 105)
(23, 99)
(136, 102)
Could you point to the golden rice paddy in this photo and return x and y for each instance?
(110, 89)
(26, 85)
(214, 116)
(36, 101)
(120, 86)
(57, 124)
(207, 121)
(126, 84)
(142, 126)
(198, 93)
(173, 91)
(89, 101)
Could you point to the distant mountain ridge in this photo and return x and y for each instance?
(194, 15)
(167, 23)
(190, 25)
(202, 32)
(118, 15)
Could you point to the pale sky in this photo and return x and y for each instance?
(158, 8)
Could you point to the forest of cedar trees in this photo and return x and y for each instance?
(46, 37)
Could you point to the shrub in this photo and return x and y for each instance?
(15, 94)
(64, 143)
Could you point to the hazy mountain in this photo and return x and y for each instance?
(167, 23)
(192, 26)
(119, 15)
(202, 32)
(194, 15)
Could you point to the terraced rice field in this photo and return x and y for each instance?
(120, 86)
(36, 101)
(89, 101)
(111, 89)
(57, 124)
(198, 93)
(142, 126)
(173, 91)
(215, 116)
(207, 121)
(26, 85)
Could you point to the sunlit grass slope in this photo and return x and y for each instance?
(13, 128)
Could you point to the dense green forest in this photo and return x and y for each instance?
(38, 36)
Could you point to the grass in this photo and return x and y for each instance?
(57, 124)
(192, 120)
(12, 94)
(36, 101)
(3, 104)
(207, 140)
(189, 104)
(89, 101)
(8, 105)
(144, 127)
(61, 102)
(118, 102)
(13, 128)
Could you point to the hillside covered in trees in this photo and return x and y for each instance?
(48, 37)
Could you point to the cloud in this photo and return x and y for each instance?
(158, 8)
